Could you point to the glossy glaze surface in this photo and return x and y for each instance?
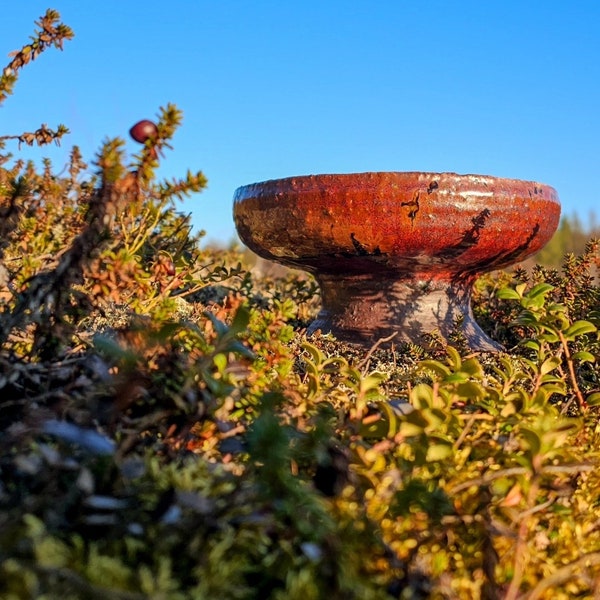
(391, 237)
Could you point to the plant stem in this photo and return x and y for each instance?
(580, 399)
(520, 559)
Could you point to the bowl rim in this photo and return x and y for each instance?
(297, 181)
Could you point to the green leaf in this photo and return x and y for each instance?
(239, 348)
(220, 361)
(531, 439)
(436, 416)
(440, 450)
(532, 344)
(549, 378)
(541, 289)
(334, 364)
(371, 382)
(457, 378)
(471, 390)
(533, 366)
(520, 289)
(413, 424)
(437, 367)
(549, 365)
(536, 298)
(166, 331)
(316, 354)
(584, 356)
(386, 426)
(558, 387)
(534, 303)
(454, 359)
(508, 294)
(593, 399)
(240, 320)
(561, 321)
(421, 396)
(390, 417)
(408, 429)
(579, 328)
(473, 368)
(528, 318)
(550, 336)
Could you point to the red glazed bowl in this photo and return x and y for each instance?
(385, 236)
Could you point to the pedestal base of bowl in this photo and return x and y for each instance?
(362, 310)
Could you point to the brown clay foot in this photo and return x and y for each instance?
(364, 309)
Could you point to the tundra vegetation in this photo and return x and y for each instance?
(167, 431)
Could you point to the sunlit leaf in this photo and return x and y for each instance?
(541, 289)
(472, 367)
(438, 450)
(220, 361)
(471, 390)
(593, 399)
(435, 366)
(454, 359)
(520, 289)
(422, 396)
(508, 294)
(457, 378)
(584, 356)
(579, 328)
(549, 365)
(533, 344)
(316, 354)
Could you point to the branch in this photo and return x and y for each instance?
(51, 33)
(42, 136)
(563, 574)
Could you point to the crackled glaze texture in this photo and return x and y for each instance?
(396, 253)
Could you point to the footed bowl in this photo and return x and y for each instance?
(396, 253)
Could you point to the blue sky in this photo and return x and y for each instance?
(279, 88)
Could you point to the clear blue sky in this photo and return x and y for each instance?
(279, 88)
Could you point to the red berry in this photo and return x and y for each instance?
(143, 130)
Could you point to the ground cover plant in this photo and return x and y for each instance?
(167, 431)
